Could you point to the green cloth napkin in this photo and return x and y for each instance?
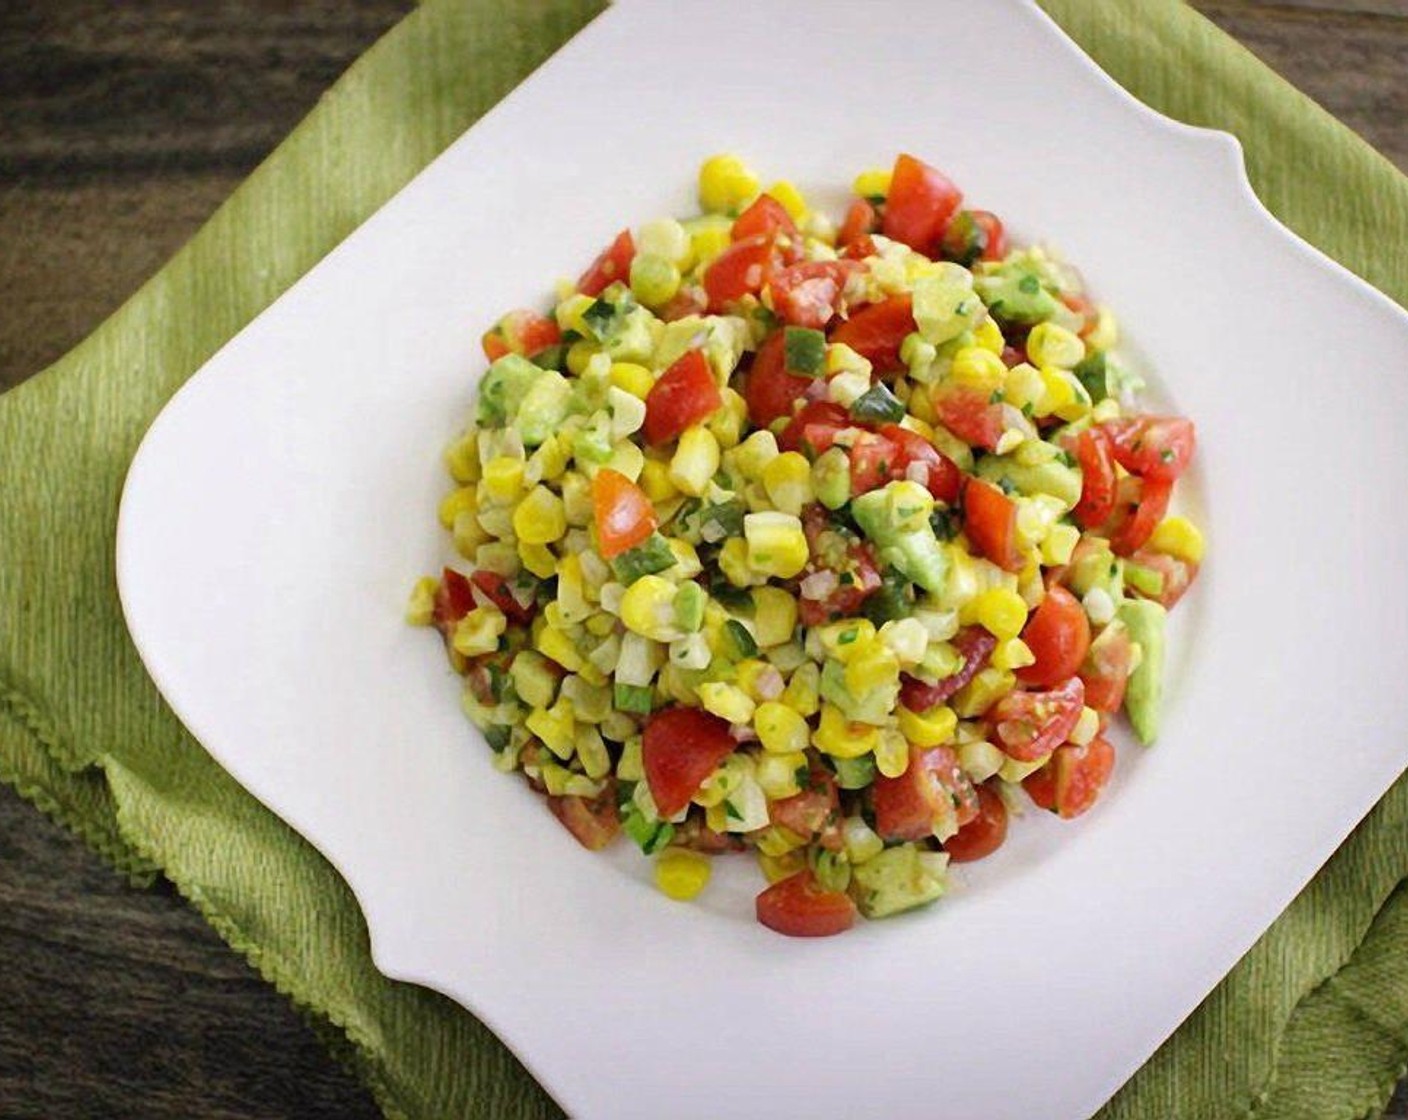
(1313, 1023)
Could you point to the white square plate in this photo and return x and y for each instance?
(283, 503)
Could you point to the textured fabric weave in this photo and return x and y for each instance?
(1312, 1023)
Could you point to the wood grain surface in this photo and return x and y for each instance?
(122, 127)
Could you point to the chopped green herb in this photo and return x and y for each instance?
(740, 639)
(652, 555)
(497, 736)
(804, 351)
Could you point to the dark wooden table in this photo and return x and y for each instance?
(122, 127)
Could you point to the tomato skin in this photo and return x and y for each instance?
(1178, 576)
(873, 459)
(862, 247)
(798, 907)
(811, 812)
(495, 589)
(1157, 448)
(741, 269)
(593, 821)
(984, 834)
(680, 748)
(1058, 634)
(520, 332)
(969, 415)
(494, 345)
(454, 599)
(920, 203)
(613, 264)
(684, 395)
(876, 331)
(861, 219)
(943, 478)
(908, 807)
(1080, 775)
(623, 514)
(976, 646)
(689, 301)
(1030, 725)
(1097, 468)
(766, 217)
(770, 390)
(1140, 504)
(1040, 786)
(1106, 669)
(813, 430)
(991, 224)
(808, 294)
(990, 520)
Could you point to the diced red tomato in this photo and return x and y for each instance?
(741, 269)
(942, 478)
(454, 599)
(875, 332)
(809, 294)
(1157, 448)
(810, 812)
(1014, 355)
(771, 391)
(1089, 313)
(1097, 471)
(593, 821)
(1140, 504)
(613, 264)
(813, 430)
(1177, 574)
(520, 332)
(873, 459)
(798, 906)
(495, 588)
(690, 300)
(852, 561)
(694, 834)
(968, 414)
(684, 395)
(1058, 634)
(623, 514)
(990, 520)
(930, 790)
(920, 203)
(680, 748)
(764, 218)
(996, 247)
(975, 645)
(1071, 782)
(984, 834)
(1106, 669)
(1032, 724)
(857, 250)
(861, 219)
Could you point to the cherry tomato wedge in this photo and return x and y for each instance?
(812, 811)
(520, 332)
(798, 906)
(764, 218)
(1157, 448)
(1032, 724)
(809, 294)
(495, 588)
(623, 514)
(876, 331)
(996, 246)
(684, 395)
(931, 789)
(969, 415)
(990, 520)
(1071, 782)
(741, 269)
(680, 748)
(942, 478)
(454, 599)
(1058, 634)
(857, 250)
(873, 459)
(593, 821)
(1106, 668)
(1097, 471)
(861, 219)
(770, 390)
(813, 430)
(1140, 504)
(920, 203)
(613, 264)
(984, 834)
(976, 646)
(1177, 575)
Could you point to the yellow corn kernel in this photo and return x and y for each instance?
(478, 631)
(462, 458)
(778, 842)
(687, 564)
(1012, 654)
(708, 240)
(788, 481)
(781, 729)
(847, 638)
(664, 237)
(840, 738)
(980, 760)
(579, 354)
(988, 335)
(570, 311)
(891, 753)
(457, 502)
(874, 183)
(728, 422)
(681, 874)
(555, 644)
(725, 183)
(733, 562)
(727, 701)
(555, 726)
(468, 533)
(420, 611)
(648, 608)
(774, 616)
(977, 368)
(503, 478)
(791, 198)
(1053, 345)
(1106, 334)
(716, 818)
(498, 556)
(1023, 386)
(1060, 543)
(548, 462)
(1086, 728)
(634, 379)
(1001, 612)
(776, 544)
(777, 774)
(802, 693)
(540, 517)
(695, 461)
(875, 668)
(752, 456)
(600, 624)
(1179, 537)
(983, 691)
(928, 729)
(538, 559)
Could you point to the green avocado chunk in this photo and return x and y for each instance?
(1144, 693)
(897, 879)
(503, 388)
(905, 541)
